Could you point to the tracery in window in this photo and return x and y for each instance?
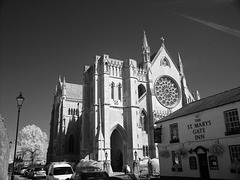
(165, 62)
(167, 91)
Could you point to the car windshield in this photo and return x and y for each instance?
(62, 170)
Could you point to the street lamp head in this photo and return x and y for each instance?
(106, 154)
(20, 100)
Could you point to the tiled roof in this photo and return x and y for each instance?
(210, 102)
(74, 91)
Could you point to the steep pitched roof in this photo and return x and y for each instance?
(210, 102)
(74, 91)
(154, 56)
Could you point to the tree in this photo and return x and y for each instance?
(32, 140)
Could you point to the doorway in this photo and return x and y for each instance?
(116, 151)
(203, 166)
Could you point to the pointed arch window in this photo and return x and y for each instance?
(143, 122)
(106, 66)
(112, 90)
(69, 111)
(165, 62)
(71, 144)
(113, 71)
(120, 72)
(119, 91)
(116, 69)
(141, 90)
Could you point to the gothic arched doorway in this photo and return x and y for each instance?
(116, 151)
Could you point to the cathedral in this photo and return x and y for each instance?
(111, 116)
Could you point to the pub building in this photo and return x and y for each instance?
(202, 139)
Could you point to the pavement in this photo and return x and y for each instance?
(132, 175)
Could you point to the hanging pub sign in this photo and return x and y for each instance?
(157, 135)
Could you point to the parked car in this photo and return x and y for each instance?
(123, 176)
(26, 173)
(98, 175)
(59, 171)
(37, 172)
(89, 169)
(22, 170)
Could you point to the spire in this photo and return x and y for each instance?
(146, 53)
(180, 65)
(187, 97)
(64, 89)
(145, 43)
(183, 81)
(64, 80)
(145, 49)
(59, 78)
(198, 95)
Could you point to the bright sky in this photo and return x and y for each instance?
(43, 39)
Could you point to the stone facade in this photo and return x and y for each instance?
(4, 150)
(65, 123)
(121, 101)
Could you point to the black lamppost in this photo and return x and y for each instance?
(135, 164)
(135, 154)
(20, 100)
(106, 156)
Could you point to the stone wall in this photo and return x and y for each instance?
(4, 150)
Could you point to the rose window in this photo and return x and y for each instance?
(167, 91)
